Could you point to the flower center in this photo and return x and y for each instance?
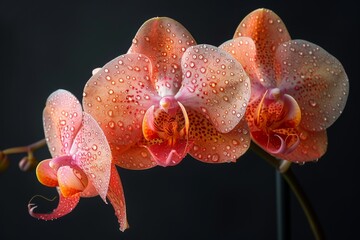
(276, 119)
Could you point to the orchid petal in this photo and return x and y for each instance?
(135, 158)
(211, 146)
(117, 96)
(317, 81)
(92, 154)
(65, 206)
(164, 41)
(117, 198)
(243, 49)
(268, 31)
(312, 146)
(45, 174)
(62, 120)
(215, 85)
(71, 180)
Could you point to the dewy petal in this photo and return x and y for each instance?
(92, 154)
(211, 146)
(118, 96)
(62, 118)
(117, 198)
(215, 85)
(164, 41)
(312, 146)
(45, 174)
(243, 49)
(71, 180)
(65, 206)
(317, 81)
(268, 31)
(135, 158)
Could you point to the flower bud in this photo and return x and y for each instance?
(27, 164)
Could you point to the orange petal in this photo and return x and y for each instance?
(164, 41)
(312, 146)
(62, 118)
(211, 146)
(317, 81)
(117, 198)
(71, 180)
(45, 174)
(215, 85)
(92, 154)
(135, 158)
(268, 31)
(118, 96)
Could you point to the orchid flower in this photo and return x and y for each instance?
(168, 97)
(298, 89)
(81, 164)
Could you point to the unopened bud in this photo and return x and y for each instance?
(27, 164)
(4, 162)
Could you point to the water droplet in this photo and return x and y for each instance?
(62, 122)
(94, 147)
(215, 157)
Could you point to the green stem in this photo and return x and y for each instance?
(297, 190)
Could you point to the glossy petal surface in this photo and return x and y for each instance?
(62, 118)
(211, 146)
(135, 158)
(267, 31)
(164, 41)
(117, 198)
(316, 79)
(92, 154)
(215, 85)
(118, 96)
(45, 174)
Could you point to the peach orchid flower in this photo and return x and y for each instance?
(81, 159)
(168, 97)
(298, 89)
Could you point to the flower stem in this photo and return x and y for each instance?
(299, 193)
(282, 207)
(23, 149)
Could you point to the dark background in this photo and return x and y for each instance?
(51, 44)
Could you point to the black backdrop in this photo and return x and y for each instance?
(51, 44)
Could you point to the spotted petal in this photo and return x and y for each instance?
(211, 146)
(117, 198)
(268, 31)
(65, 206)
(117, 96)
(215, 85)
(317, 81)
(164, 41)
(135, 158)
(312, 146)
(92, 154)
(62, 118)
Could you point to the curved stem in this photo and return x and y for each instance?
(31, 147)
(299, 193)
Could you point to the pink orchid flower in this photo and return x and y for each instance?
(298, 89)
(81, 159)
(168, 97)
